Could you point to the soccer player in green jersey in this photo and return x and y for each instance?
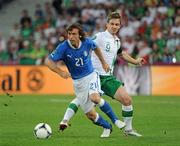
(110, 47)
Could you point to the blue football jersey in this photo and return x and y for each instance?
(78, 61)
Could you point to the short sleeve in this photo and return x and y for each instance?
(92, 44)
(96, 39)
(57, 54)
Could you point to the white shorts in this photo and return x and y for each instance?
(84, 87)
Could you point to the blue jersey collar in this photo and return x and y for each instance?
(73, 46)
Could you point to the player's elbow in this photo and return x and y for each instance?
(123, 53)
(48, 62)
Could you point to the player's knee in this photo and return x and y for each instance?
(126, 101)
(91, 116)
(95, 98)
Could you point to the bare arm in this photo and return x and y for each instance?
(55, 67)
(128, 58)
(101, 58)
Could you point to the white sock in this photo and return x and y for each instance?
(68, 114)
(128, 120)
(71, 110)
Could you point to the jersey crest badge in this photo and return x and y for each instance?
(85, 53)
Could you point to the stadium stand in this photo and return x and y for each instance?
(4, 2)
(151, 28)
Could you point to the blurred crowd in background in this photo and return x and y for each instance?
(150, 29)
(4, 2)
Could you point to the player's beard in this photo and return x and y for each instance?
(74, 43)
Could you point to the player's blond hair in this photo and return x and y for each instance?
(113, 15)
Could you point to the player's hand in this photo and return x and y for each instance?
(140, 61)
(106, 67)
(65, 75)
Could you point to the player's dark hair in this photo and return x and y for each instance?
(79, 27)
(114, 15)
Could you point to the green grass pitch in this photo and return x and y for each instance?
(156, 117)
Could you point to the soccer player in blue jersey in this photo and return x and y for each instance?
(75, 52)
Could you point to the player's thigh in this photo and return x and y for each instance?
(94, 84)
(87, 106)
(109, 85)
(81, 88)
(83, 99)
(92, 114)
(122, 96)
